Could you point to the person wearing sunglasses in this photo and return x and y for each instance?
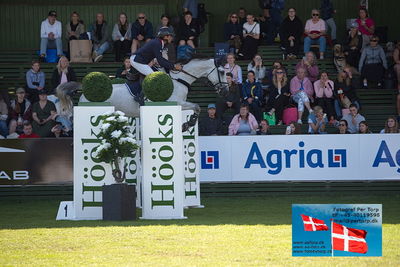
(315, 30)
(142, 32)
(233, 32)
(290, 32)
(343, 127)
(279, 95)
(372, 63)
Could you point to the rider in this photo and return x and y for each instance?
(153, 49)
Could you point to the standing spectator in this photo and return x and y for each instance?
(242, 14)
(100, 35)
(243, 123)
(20, 111)
(373, 63)
(74, 28)
(345, 92)
(264, 128)
(276, 15)
(290, 33)
(365, 25)
(62, 74)
(3, 117)
(35, 81)
(192, 6)
(233, 31)
(353, 45)
(28, 133)
(231, 100)
(302, 91)
(142, 32)
(121, 72)
(343, 127)
(212, 124)
(43, 113)
(232, 67)
(396, 59)
(252, 94)
(50, 35)
(324, 95)
(317, 121)
(251, 36)
(279, 95)
(265, 26)
(391, 126)
(188, 30)
(121, 36)
(327, 12)
(353, 119)
(256, 65)
(364, 128)
(315, 31)
(309, 63)
(293, 128)
(169, 49)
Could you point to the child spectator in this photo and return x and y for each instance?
(3, 117)
(353, 45)
(324, 97)
(188, 31)
(252, 94)
(211, 125)
(343, 127)
(20, 112)
(396, 59)
(290, 33)
(74, 28)
(28, 133)
(372, 63)
(353, 119)
(317, 121)
(279, 95)
(391, 126)
(63, 73)
(231, 100)
(264, 128)
(364, 128)
(251, 35)
(232, 67)
(327, 11)
(309, 63)
(293, 128)
(243, 123)
(121, 72)
(100, 37)
(233, 31)
(256, 65)
(35, 81)
(365, 25)
(121, 35)
(43, 113)
(50, 35)
(302, 91)
(315, 31)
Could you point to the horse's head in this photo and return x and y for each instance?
(67, 90)
(217, 78)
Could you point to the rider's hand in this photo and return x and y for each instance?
(178, 67)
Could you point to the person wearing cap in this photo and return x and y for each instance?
(353, 45)
(43, 113)
(35, 81)
(50, 32)
(153, 50)
(141, 32)
(211, 125)
(20, 111)
(101, 38)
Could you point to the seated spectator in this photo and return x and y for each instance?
(391, 126)
(364, 128)
(231, 100)
(345, 92)
(293, 128)
(290, 33)
(315, 30)
(121, 72)
(264, 128)
(242, 15)
(366, 26)
(74, 28)
(232, 67)
(233, 31)
(302, 91)
(211, 125)
(121, 35)
(188, 30)
(279, 95)
(265, 22)
(3, 117)
(35, 81)
(251, 36)
(169, 49)
(396, 59)
(59, 131)
(28, 132)
(192, 6)
(256, 65)
(343, 127)
(20, 111)
(353, 119)
(317, 121)
(142, 32)
(324, 97)
(62, 73)
(43, 114)
(243, 123)
(353, 45)
(373, 63)
(100, 35)
(309, 63)
(276, 65)
(64, 108)
(50, 35)
(327, 12)
(252, 95)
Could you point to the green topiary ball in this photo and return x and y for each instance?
(96, 87)
(158, 86)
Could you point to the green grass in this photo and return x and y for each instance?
(227, 232)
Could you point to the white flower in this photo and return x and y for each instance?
(116, 134)
(112, 118)
(120, 113)
(127, 139)
(122, 119)
(108, 113)
(130, 135)
(105, 126)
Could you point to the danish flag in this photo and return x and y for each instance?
(348, 239)
(312, 224)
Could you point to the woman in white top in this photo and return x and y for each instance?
(251, 36)
(315, 30)
(121, 36)
(233, 68)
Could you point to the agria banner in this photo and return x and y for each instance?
(300, 157)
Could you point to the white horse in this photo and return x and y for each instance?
(123, 101)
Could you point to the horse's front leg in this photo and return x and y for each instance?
(193, 118)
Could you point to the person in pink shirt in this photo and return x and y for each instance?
(365, 25)
(315, 30)
(324, 95)
(302, 91)
(309, 63)
(243, 123)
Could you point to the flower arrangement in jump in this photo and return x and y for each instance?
(117, 143)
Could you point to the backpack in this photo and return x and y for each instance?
(201, 16)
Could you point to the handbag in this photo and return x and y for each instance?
(289, 115)
(271, 119)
